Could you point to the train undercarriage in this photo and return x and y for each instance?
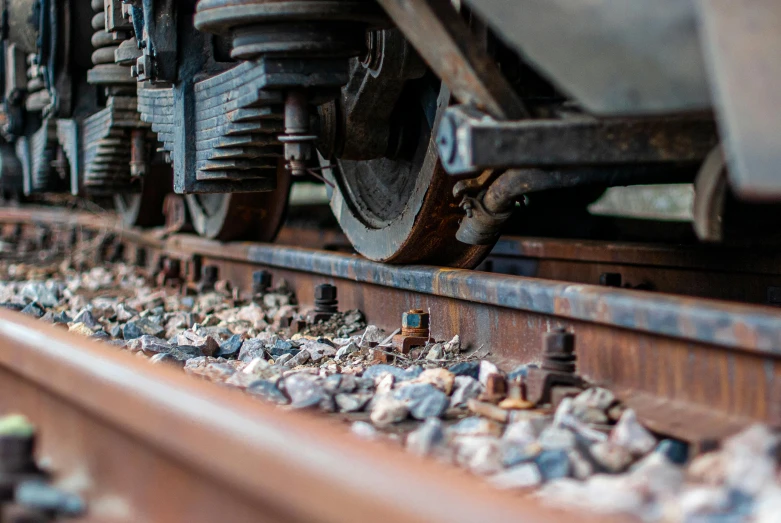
(432, 123)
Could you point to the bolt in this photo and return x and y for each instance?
(610, 279)
(559, 352)
(261, 281)
(415, 322)
(325, 298)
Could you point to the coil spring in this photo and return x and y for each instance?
(106, 72)
(106, 134)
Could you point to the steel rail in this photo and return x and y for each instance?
(147, 443)
(675, 359)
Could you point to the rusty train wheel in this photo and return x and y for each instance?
(144, 208)
(402, 210)
(241, 216)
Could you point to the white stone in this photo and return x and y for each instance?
(768, 504)
(749, 463)
(594, 398)
(454, 345)
(426, 438)
(525, 475)
(384, 384)
(465, 388)
(480, 454)
(613, 458)
(601, 493)
(554, 438)
(525, 431)
(364, 430)
(257, 364)
(387, 411)
(486, 369)
(700, 500)
(630, 434)
(657, 475)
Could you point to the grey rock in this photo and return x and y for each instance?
(424, 440)
(331, 383)
(376, 371)
(423, 400)
(125, 312)
(464, 389)
(523, 476)
(352, 402)
(101, 335)
(345, 351)
(185, 352)
(514, 454)
(46, 296)
(86, 317)
(611, 457)
(299, 359)
(481, 455)
(251, 349)
(167, 359)
(525, 431)
(268, 391)
(630, 434)
(34, 310)
(304, 390)
(149, 345)
(347, 383)
(436, 352)
(116, 331)
(466, 368)
(475, 426)
(230, 347)
(12, 306)
(594, 398)
(283, 359)
(555, 438)
(318, 351)
(61, 317)
(136, 328)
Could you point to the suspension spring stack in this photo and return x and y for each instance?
(115, 135)
(302, 48)
(43, 143)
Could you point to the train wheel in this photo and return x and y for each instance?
(241, 216)
(402, 209)
(144, 208)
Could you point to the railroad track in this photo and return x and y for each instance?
(692, 368)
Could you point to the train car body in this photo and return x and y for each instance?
(429, 120)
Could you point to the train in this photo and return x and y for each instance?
(431, 123)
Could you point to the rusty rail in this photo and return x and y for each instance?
(147, 443)
(674, 358)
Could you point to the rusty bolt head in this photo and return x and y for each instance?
(559, 341)
(325, 292)
(415, 319)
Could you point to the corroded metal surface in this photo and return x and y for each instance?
(701, 354)
(146, 443)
